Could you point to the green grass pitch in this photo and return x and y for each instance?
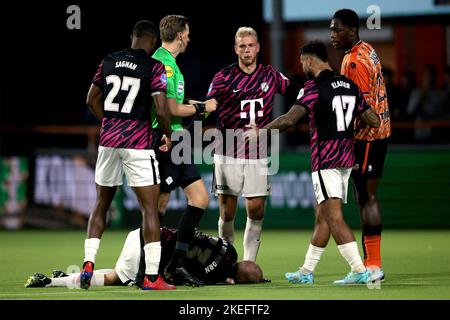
(416, 263)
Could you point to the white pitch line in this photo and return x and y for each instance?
(78, 291)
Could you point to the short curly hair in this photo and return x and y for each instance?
(348, 18)
(316, 48)
(145, 28)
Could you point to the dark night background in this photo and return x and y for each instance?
(47, 68)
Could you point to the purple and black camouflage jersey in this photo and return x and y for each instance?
(332, 102)
(128, 79)
(244, 99)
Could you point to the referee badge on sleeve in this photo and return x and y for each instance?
(169, 71)
(163, 79)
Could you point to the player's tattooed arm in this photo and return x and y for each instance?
(281, 123)
(94, 101)
(371, 118)
(287, 120)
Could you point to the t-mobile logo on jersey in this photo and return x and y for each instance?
(253, 113)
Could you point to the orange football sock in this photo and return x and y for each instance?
(372, 245)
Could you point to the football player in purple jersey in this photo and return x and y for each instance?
(245, 94)
(121, 96)
(331, 102)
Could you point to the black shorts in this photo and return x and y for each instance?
(369, 158)
(173, 175)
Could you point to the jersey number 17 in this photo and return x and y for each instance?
(343, 107)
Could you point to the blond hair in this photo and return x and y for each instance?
(245, 32)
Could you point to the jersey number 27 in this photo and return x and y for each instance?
(129, 84)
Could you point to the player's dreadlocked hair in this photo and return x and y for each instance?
(316, 48)
(348, 17)
(169, 27)
(145, 28)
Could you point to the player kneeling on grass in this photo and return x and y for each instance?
(210, 259)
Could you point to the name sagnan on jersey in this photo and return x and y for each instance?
(126, 64)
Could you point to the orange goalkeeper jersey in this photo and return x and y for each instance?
(362, 65)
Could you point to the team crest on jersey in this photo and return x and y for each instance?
(169, 71)
(264, 86)
(163, 78)
(180, 89)
(301, 93)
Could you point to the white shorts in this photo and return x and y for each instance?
(140, 167)
(331, 183)
(127, 266)
(241, 176)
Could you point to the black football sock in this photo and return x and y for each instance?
(186, 229)
(152, 277)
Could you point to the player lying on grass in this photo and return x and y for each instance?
(210, 259)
